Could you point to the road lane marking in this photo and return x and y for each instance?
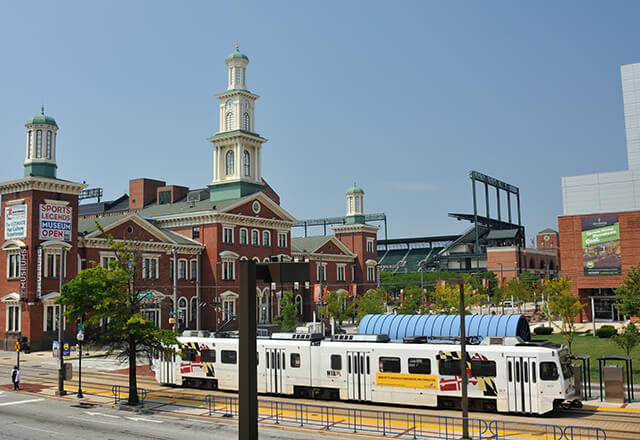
(18, 402)
(101, 414)
(38, 429)
(138, 419)
(84, 419)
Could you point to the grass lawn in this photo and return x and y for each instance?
(596, 347)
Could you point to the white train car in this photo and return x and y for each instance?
(504, 374)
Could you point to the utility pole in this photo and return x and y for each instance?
(463, 367)
(61, 391)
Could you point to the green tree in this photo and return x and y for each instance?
(371, 302)
(628, 338)
(446, 299)
(628, 295)
(288, 317)
(110, 306)
(412, 301)
(562, 303)
(338, 305)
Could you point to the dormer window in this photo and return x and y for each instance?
(229, 162)
(246, 161)
(29, 144)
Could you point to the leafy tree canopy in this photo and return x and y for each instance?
(287, 318)
(446, 299)
(371, 302)
(339, 307)
(628, 294)
(562, 303)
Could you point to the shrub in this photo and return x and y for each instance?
(543, 330)
(606, 331)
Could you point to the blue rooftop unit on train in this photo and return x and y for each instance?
(436, 327)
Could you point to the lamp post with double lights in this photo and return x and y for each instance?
(80, 338)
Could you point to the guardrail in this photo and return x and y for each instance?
(398, 424)
(119, 394)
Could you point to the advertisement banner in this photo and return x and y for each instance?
(15, 222)
(23, 272)
(55, 222)
(601, 245)
(401, 380)
(39, 273)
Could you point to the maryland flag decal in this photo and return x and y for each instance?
(485, 384)
(188, 366)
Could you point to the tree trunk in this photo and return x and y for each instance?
(133, 384)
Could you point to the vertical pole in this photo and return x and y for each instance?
(61, 391)
(80, 395)
(248, 421)
(498, 199)
(509, 204)
(463, 366)
(486, 199)
(593, 316)
(386, 246)
(198, 295)
(518, 200)
(174, 254)
(475, 215)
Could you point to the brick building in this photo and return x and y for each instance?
(186, 242)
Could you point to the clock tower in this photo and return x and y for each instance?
(237, 148)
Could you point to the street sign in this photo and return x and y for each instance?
(66, 350)
(17, 346)
(55, 349)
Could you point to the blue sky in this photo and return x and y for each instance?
(402, 97)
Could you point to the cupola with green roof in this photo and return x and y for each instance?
(237, 148)
(355, 205)
(40, 160)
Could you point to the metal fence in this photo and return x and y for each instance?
(398, 424)
(119, 393)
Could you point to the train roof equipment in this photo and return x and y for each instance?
(398, 327)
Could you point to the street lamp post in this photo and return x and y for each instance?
(80, 337)
(61, 391)
(463, 366)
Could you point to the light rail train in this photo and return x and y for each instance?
(504, 374)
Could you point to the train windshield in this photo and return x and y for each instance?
(565, 365)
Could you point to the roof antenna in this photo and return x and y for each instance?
(42, 109)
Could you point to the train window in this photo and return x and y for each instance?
(257, 358)
(336, 362)
(349, 364)
(389, 364)
(368, 369)
(525, 371)
(517, 372)
(356, 370)
(284, 361)
(510, 373)
(420, 365)
(533, 372)
(481, 368)
(208, 355)
(188, 355)
(267, 357)
(362, 364)
(548, 371)
(228, 356)
(449, 367)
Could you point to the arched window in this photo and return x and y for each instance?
(246, 161)
(48, 145)
(38, 144)
(299, 304)
(29, 144)
(245, 121)
(229, 162)
(229, 121)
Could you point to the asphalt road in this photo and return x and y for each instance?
(29, 417)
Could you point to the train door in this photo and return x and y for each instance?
(358, 375)
(522, 384)
(275, 368)
(166, 372)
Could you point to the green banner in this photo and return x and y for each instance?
(601, 245)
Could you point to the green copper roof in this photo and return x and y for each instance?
(237, 54)
(355, 190)
(41, 119)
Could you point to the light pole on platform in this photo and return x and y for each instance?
(80, 337)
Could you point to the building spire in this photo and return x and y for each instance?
(42, 109)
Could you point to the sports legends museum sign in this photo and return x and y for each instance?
(55, 222)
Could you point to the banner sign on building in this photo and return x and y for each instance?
(55, 222)
(601, 245)
(23, 272)
(15, 222)
(39, 273)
